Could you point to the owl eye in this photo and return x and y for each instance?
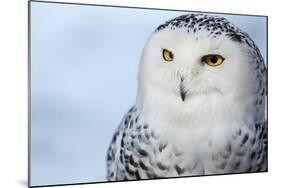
(167, 55)
(213, 60)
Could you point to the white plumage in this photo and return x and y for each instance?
(194, 114)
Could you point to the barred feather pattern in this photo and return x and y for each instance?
(138, 152)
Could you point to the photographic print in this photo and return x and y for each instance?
(120, 93)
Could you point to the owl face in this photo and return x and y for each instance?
(184, 63)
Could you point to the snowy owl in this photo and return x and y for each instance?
(200, 107)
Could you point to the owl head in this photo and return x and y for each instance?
(195, 60)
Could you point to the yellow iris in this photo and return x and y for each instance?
(167, 55)
(213, 60)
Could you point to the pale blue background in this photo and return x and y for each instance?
(84, 62)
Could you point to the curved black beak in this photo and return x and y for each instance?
(182, 92)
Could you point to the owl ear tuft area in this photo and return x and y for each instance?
(237, 37)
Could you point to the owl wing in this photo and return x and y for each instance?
(119, 155)
(131, 154)
(246, 151)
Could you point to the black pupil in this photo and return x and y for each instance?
(213, 59)
(171, 55)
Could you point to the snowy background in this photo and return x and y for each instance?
(84, 62)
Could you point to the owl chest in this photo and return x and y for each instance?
(176, 153)
(151, 153)
(158, 150)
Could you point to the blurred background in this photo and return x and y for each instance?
(84, 64)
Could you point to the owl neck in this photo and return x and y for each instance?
(198, 110)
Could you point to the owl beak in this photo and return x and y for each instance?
(182, 92)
